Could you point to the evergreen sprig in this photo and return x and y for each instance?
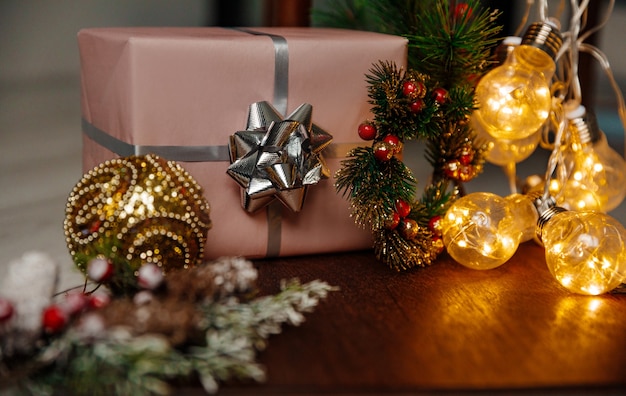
(392, 109)
(450, 46)
(398, 253)
(453, 43)
(444, 42)
(373, 187)
(115, 362)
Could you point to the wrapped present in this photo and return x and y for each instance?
(186, 93)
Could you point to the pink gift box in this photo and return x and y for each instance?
(181, 92)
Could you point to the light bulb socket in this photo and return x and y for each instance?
(545, 36)
(547, 209)
(586, 127)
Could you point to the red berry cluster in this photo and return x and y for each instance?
(408, 228)
(386, 148)
(56, 316)
(461, 168)
(415, 91)
(434, 225)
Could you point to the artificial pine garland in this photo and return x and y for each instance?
(432, 100)
(202, 324)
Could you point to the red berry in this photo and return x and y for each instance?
(440, 95)
(409, 229)
(150, 276)
(434, 225)
(466, 173)
(393, 142)
(74, 303)
(6, 310)
(394, 221)
(382, 151)
(462, 10)
(98, 300)
(466, 159)
(367, 131)
(53, 319)
(99, 269)
(417, 106)
(452, 169)
(403, 208)
(409, 88)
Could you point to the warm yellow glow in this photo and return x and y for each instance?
(480, 231)
(514, 98)
(594, 304)
(585, 251)
(503, 152)
(594, 177)
(525, 215)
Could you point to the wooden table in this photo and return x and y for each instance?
(442, 328)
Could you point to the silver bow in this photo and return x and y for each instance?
(276, 158)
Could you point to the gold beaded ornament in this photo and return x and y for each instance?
(137, 209)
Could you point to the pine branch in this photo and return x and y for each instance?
(393, 114)
(435, 200)
(450, 44)
(346, 14)
(114, 361)
(373, 187)
(401, 254)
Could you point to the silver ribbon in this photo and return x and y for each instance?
(281, 69)
(218, 153)
(276, 159)
(172, 153)
(281, 91)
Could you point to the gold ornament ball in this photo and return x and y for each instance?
(409, 229)
(143, 208)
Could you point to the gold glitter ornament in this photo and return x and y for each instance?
(136, 210)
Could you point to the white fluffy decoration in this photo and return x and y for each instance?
(29, 284)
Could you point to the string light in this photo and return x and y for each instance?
(514, 99)
(483, 230)
(506, 153)
(585, 251)
(593, 175)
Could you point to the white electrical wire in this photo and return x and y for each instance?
(606, 67)
(573, 43)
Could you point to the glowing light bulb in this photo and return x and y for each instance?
(593, 175)
(585, 251)
(482, 230)
(514, 99)
(525, 214)
(506, 153)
